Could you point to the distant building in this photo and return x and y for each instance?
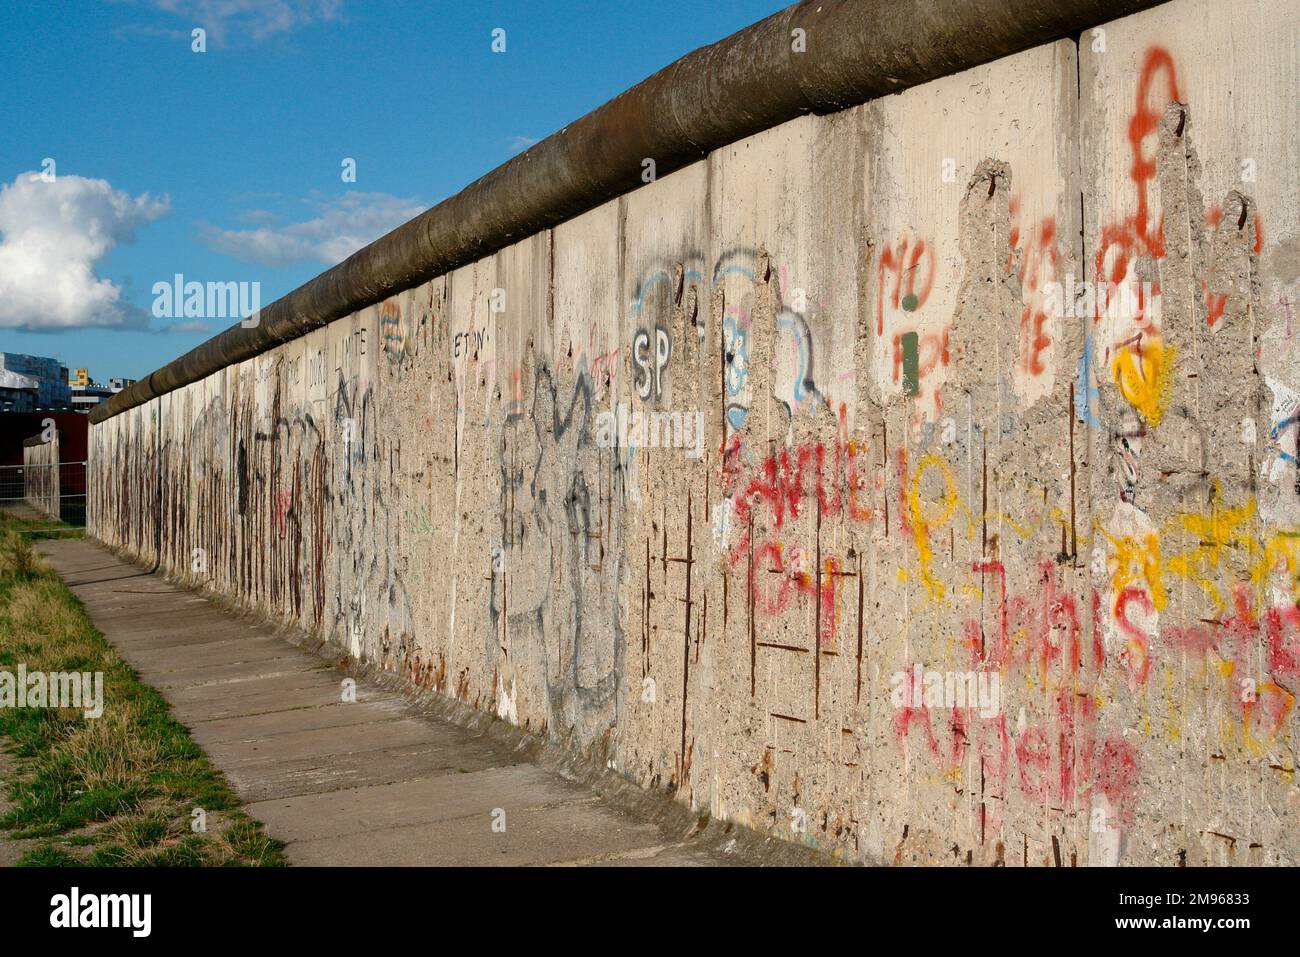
(89, 393)
(17, 392)
(37, 380)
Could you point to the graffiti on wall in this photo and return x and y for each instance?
(728, 626)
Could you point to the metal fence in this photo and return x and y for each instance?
(56, 491)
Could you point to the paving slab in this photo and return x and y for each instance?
(376, 781)
(258, 696)
(320, 743)
(312, 717)
(173, 661)
(263, 691)
(224, 675)
(443, 797)
(268, 780)
(581, 832)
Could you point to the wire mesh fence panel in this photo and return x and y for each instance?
(56, 491)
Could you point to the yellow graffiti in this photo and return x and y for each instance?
(1203, 549)
(1279, 555)
(1133, 559)
(1214, 531)
(1143, 374)
(924, 527)
(921, 525)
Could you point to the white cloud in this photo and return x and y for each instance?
(343, 226)
(258, 217)
(51, 236)
(256, 19)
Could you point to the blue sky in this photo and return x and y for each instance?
(225, 165)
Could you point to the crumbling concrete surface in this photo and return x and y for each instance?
(918, 482)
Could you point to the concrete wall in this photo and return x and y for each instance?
(41, 474)
(915, 459)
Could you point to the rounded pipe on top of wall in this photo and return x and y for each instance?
(849, 51)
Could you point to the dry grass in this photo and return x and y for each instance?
(17, 556)
(118, 789)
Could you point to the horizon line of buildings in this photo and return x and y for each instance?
(42, 384)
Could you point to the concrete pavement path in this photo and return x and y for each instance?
(375, 782)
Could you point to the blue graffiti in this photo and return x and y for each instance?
(1085, 393)
(736, 346)
(644, 287)
(1277, 430)
(804, 387)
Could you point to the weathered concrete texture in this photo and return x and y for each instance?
(1187, 112)
(41, 474)
(370, 778)
(926, 451)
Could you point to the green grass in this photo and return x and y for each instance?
(115, 790)
(38, 527)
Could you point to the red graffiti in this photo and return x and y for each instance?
(1134, 656)
(1215, 302)
(604, 365)
(1135, 234)
(931, 348)
(1142, 124)
(786, 483)
(1048, 620)
(909, 711)
(283, 503)
(794, 578)
(1266, 709)
(1234, 637)
(905, 269)
(905, 277)
(1282, 628)
(1037, 269)
(1062, 763)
